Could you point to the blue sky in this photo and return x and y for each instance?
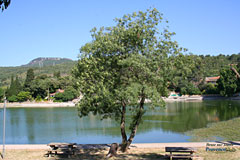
(57, 28)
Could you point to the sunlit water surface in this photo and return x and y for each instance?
(169, 124)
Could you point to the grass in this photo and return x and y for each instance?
(225, 130)
(133, 154)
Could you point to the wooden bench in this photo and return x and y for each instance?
(63, 149)
(180, 150)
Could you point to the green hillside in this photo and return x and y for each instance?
(48, 66)
(203, 66)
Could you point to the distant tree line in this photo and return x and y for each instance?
(188, 79)
(20, 71)
(39, 88)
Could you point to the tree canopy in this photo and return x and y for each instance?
(228, 83)
(124, 66)
(1, 94)
(29, 79)
(40, 87)
(4, 4)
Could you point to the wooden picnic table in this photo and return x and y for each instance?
(189, 150)
(66, 149)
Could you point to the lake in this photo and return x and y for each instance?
(169, 124)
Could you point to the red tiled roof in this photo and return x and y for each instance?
(212, 78)
(60, 90)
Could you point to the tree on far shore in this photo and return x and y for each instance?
(124, 66)
(15, 87)
(228, 83)
(1, 94)
(29, 79)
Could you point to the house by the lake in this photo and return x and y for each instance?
(212, 80)
(58, 91)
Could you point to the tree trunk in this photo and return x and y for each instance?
(113, 150)
(236, 72)
(122, 125)
(139, 115)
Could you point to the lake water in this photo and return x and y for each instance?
(169, 124)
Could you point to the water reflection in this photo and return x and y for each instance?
(45, 125)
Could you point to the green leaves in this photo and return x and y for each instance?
(125, 63)
(228, 83)
(4, 4)
(69, 94)
(23, 96)
(1, 94)
(29, 79)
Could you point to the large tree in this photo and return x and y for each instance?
(124, 66)
(228, 83)
(15, 87)
(29, 79)
(1, 94)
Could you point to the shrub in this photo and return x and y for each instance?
(69, 94)
(23, 96)
(13, 98)
(210, 89)
(38, 98)
(190, 89)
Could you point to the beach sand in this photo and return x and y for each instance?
(145, 151)
(38, 104)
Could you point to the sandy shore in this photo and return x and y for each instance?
(143, 151)
(198, 98)
(134, 145)
(194, 98)
(40, 104)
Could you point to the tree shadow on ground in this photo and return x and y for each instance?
(145, 156)
(100, 153)
(83, 154)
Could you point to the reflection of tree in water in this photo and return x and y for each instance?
(41, 124)
(180, 117)
(184, 116)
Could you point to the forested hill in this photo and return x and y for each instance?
(200, 65)
(42, 65)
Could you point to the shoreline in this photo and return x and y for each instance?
(193, 98)
(38, 104)
(197, 98)
(134, 145)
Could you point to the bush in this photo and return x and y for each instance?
(38, 98)
(23, 96)
(13, 98)
(58, 97)
(210, 89)
(69, 94)
(190, 89)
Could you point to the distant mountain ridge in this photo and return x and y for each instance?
(41, 65)
(46, 61)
